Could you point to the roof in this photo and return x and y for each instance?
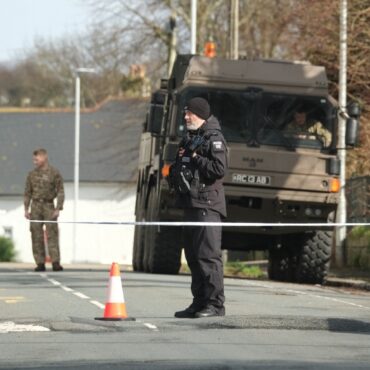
(270, 75)
(109, 143)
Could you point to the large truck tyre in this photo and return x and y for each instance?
(313, 259)
(139, 233)
(162, 251)
(302, 258)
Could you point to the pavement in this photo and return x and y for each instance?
(346, 277)
(349, 278)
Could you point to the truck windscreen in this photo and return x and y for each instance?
(255, 117)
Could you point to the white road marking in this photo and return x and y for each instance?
(81, 295)
(309, 294)
(66, 288)
(98, 304)
(9, 327)
(70, 290)
(150, 326)
(57, 283)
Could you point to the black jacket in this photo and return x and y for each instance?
(208, 168)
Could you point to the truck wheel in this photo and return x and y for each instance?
(162, 254)
(137, 257)
(138, 248)
(313, 259)
(280, 265)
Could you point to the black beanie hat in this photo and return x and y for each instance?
(200, 107)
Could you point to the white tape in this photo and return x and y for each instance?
(223, 224)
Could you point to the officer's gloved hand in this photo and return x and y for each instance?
(195, 143)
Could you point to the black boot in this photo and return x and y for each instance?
(210, 311)
(40, 267)
(188, 313)
(57, 266)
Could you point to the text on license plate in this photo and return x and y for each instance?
(251, 179)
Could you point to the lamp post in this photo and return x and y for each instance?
(193, 47)
(341, 231)
(78, 71)
(234, 29)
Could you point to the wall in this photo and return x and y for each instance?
(358, 252)
(95, 243)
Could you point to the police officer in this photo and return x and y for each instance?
(43, 185)
(197, 176)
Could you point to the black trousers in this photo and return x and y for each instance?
(204, 257)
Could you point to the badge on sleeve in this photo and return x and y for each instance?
(217, 146)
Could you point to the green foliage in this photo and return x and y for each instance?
(132, 85)
(358, 247)
(360, 232)
(241, 269)
(238, 268)
(184, 269)
(7, 252)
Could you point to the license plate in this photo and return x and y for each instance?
(240, 178)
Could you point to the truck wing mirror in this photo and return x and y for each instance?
(156, 112)
(352, 132)
(155, 118)
(353, 125)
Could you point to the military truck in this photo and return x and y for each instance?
(275, 175)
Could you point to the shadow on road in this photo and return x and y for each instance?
(195, 365)
(348, 326)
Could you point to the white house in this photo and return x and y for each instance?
(108, 160)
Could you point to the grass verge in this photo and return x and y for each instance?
(237, 268)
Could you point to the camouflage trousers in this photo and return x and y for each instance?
(44, 211)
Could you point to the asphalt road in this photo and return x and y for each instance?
(47, 322)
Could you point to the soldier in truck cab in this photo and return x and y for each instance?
(197, 175)
(302, 124)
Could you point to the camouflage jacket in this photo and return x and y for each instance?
(44, 186)
(315, 128)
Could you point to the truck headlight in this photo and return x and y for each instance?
(308, 212)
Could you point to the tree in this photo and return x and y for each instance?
(265, 26)
(317, 40)
(45, 75)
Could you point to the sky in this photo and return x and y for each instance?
(21, 21)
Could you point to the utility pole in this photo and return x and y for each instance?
(234, 29)
(193, 49)
(78, 71)
(341, 231)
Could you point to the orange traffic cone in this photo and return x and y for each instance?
(115, 307)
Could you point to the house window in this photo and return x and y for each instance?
(8, 232)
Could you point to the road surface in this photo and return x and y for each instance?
(47, 322)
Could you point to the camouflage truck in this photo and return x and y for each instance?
(275, 175)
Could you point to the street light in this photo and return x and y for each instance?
(193, 47)
(78, 71)
(341, 231)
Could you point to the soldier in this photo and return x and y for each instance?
(301, 124)
(43, 185)
(197, 178)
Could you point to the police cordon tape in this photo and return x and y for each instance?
(223, 224)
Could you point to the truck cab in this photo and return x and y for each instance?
(281, 128)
